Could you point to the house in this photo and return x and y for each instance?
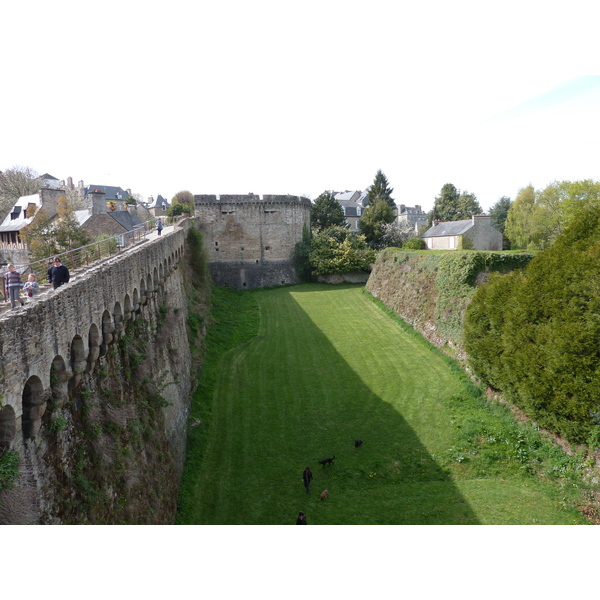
(107, 217)
(412, 215)
(111, 193)
(352, 203)
(475, 233)
(12, 248)
(157, 207)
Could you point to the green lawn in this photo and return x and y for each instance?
(314, 367)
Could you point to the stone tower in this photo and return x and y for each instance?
(251, 241)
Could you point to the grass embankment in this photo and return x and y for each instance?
(296, 374)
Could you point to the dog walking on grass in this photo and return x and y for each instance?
(324, 495)
(327, 461)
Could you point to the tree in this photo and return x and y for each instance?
(48, 236)
(338, 250)
(499, 212)
(533, 219)
(380, 190)
(452, 205)
(540, 216)
(373, 220)
(326, 212)
(16, 182)
(396, 233)
(182, 202)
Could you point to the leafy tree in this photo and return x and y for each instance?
(337, 250)
(540, 216)
(499, 212)
(380, 190)
(326, 212)
(48, 236)
(373, 220)
(396, 233)
(15, 182)
(182, 202)
(452, 205)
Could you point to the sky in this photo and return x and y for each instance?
(274, 97)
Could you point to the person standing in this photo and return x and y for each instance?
(301, 520)
(307, 478)
(13, 283)
(58, 273)
(159, 225)
(31, 287)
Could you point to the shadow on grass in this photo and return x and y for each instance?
(391, 478)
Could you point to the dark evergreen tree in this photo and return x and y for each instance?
(372, 221)
(499, 212)
(451, 205)
(380, 190)
(326, 212)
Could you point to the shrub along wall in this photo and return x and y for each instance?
(432, 289)
(534, 335)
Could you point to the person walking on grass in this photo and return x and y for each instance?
(307, 478)
(13, 283)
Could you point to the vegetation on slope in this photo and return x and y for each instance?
(534, 335)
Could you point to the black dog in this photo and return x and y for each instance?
(327, 461)
(357, 443)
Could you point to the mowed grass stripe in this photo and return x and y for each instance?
(327, 366)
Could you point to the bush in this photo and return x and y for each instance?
(414, 243)
(534, 335)
(337, 250)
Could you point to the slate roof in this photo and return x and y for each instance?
(159, 202)
(20, 206)
(449, 228)
(122, 217)
(111, 192)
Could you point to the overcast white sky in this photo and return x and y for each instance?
(274, 97)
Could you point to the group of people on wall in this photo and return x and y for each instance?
(58, 274)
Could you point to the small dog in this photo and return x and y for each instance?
(324, 495)
(327, 461)
(357, 443)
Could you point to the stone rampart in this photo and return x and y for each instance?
(66, 353)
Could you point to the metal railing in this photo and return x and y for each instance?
(86, 255)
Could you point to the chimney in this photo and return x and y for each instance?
(482, 219)
(97, 201)
(436, 222)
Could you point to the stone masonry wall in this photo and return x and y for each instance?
(103, 358)
(251, 240)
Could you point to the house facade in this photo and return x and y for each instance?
(475, 233)
(414, 216)
(352, 203)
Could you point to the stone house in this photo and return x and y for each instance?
(352, 203)
(414, 216)
(107, 217)
(158, 207)
(475, 233)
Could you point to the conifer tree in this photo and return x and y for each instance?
(380, 190)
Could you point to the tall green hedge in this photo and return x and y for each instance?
(535, 334)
